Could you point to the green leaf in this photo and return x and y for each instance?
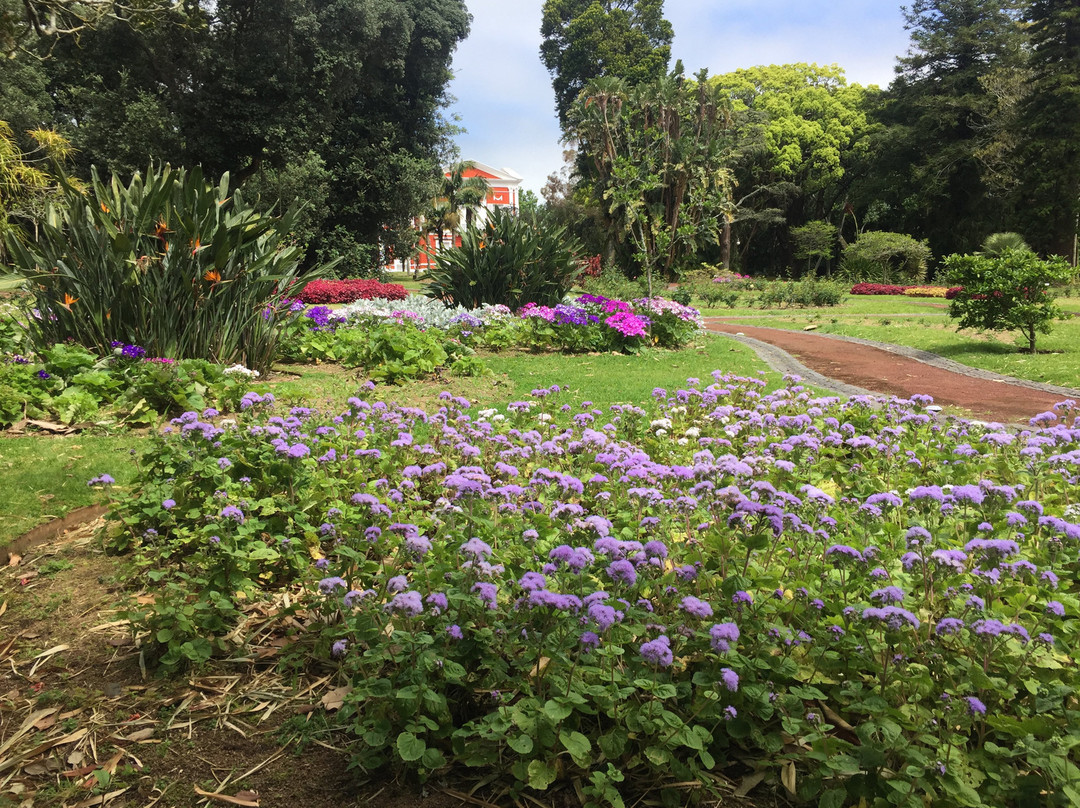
(410, 747)
(432, 759)
(556, 711)
(576, 744)
(522, 744)
(541, 774)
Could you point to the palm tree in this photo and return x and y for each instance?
(459, 193)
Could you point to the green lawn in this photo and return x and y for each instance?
(42, 477)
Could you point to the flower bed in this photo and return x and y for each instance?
(891, 289)
(865, 601)
(351, 290)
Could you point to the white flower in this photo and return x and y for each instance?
(693, 432)
(240, 370)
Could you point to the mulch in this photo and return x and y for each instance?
(892, 374)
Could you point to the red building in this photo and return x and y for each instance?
(504, 188)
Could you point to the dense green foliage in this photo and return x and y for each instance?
(659, 157)
(335, 104)
(590, 39)
(865, 603)
(510, 261)
(168, 262)
(880, 257)
(1013, 291)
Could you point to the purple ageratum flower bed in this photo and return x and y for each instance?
(731, 558)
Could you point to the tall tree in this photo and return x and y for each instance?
(589, 39)
(340, 98)
(802, 127)
(1048, 196)
(930, 181)
(660, 155)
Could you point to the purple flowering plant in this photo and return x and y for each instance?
(663, 603)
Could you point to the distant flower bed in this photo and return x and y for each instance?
(350, 290)
(449, 336)
(892, 289)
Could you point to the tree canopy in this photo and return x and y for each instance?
(340, 98)
(589, 39)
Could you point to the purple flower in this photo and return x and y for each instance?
(103, 479)
(338, 648)
(486, 592)
(742, 597)
(590, 640)
(730, 679)
(622, 570)
(658, 652)
(842, 551)
(949, 625)
(168, 504)
(888, 594)
(1055, 608)
(328, 585)
(603, 615)
(531, 581)
(975, 706)
(893, 617)
(722, 635)
(454, 632)
(696, 607)
(397, 583)
(224, 463)
(437, 601)
(477, 548)
(419, 545)
(730, 713)
(232, 512)
(408, 603)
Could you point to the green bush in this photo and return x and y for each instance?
(1011, 292)
(508, 261)
(392, 351)
(882, 257)
(807, 292)
(171, 263)
(613, 283)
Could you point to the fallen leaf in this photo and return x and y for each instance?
(251, 801)
(335, 698)
(749, 783)
(93, 802)
(141, 735)
(787, 776)
(13, 561)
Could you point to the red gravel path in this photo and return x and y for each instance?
(892, 374)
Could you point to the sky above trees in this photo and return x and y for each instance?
(504, 95)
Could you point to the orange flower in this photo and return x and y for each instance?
(68, 300)
(161, 229)
(195, 245)
(104, 208)
(213, 276)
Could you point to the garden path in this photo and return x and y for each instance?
(853, 366)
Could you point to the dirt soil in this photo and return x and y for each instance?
(891, 374)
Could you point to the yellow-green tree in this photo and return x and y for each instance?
(27, 182)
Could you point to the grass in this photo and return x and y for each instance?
(909, 322)
(42, 478)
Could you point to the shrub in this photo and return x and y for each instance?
(509, 261)
(348, 291)
(613, 283)
(925, 291)
(807, 292)
(625, 600)
(170, 263)
(1011, 292)
(882, 257)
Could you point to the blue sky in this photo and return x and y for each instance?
(504, 96)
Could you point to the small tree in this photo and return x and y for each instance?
(881, 257)
(1013, 291)
(814, 240)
